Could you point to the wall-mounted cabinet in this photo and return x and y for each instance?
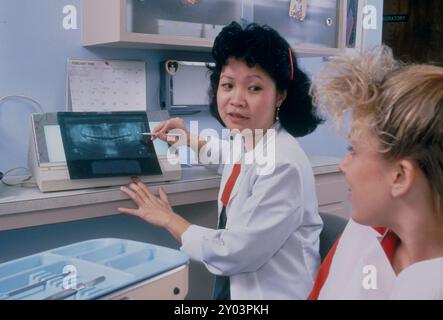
(321, 31)
(193, 24)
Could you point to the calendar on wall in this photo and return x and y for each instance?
(105, 85)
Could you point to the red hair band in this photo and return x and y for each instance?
(292, 63)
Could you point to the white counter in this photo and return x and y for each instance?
(24, 207)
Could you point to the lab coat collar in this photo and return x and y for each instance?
(264, 141)
(234, 135)
(241, 157)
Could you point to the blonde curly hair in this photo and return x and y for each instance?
(400, 104)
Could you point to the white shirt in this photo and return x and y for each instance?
(360, 269)
(270, 245)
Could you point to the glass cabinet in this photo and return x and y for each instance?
(319, 27)
(189, 18)
(193, 24)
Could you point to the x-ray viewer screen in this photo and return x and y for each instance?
(107, 144)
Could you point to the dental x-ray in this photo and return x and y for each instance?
(101, 144)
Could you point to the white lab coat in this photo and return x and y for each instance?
(270, 245)
(360, 269)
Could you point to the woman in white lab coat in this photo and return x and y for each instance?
(266, 245)
(393, 246)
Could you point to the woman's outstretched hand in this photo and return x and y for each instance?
(155, 210)
(152, 209)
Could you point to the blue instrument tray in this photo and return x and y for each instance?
(122, 262)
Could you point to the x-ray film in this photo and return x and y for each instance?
(102, 144)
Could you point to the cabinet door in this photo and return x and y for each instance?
(192, 18)
(320, 27)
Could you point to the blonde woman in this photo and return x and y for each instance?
(392, 247)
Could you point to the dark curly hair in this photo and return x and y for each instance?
(263, 46)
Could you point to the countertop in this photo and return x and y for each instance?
(198, 184)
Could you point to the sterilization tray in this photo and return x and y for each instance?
(122, 262)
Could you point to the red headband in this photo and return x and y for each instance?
(292, 63)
